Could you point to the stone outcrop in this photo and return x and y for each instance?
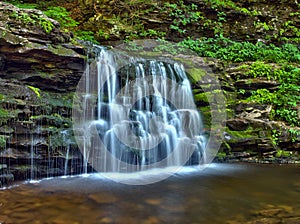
(35, 50)
(251, 134)
(40, 66)
(251, 20)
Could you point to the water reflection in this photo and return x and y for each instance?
(219, 194)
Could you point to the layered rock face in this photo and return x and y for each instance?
(40, 66)
(39, 70)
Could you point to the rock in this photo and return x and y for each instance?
(3, 166)
(254, 84)
(265, 221)
(7, 179)
(103, 198)
(48, 60)
(237, 124)
(39, 70)
(153, 201)
(269, 212)
(292, 220)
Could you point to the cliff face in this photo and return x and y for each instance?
(251, 20)
(40, 66)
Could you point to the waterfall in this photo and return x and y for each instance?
(134, 114)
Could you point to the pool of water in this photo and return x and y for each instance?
(221, 193)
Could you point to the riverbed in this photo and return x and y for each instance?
(220, 193)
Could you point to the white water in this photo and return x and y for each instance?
(143, 114)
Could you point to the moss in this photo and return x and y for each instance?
(58, 100)
(248, 133)
(195, 74)
(221, 155)
(282, 153)
(3, 113)
(58, 139)
(201, 97)
(1, 97)
(55, 119)
(35, 90)
(2, 141)
(60, 50)
(206, 112)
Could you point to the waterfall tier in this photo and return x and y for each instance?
(134, 114)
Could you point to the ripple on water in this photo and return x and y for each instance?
(252, 194)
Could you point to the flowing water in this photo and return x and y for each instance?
(137, 114)
(133, 114)
(221, 193)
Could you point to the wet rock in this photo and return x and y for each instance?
(106, 220)
(7, 179)
(292, 220)
(153, 201)
(103, 198)
(237, 124)
(254, 84)
(3, 166)
(46, 58)
(265, 221)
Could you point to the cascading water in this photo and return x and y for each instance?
(137, 115)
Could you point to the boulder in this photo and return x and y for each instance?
(35, 50)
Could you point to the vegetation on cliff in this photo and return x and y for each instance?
(256, 42)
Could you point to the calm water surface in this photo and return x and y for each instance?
(221, 193)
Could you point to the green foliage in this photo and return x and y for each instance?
(2, 142)
(219, 4)
(182, 15)
(152, 33)
(229, 50)
(3, 113)
(259, 69)
(168, 47)
(54, 119)
(61, 15)
(286, 98)
(295, 134)
(291, 27)
(22, 4)
(35, 90)
(33, 19)
(275, 137)
(282, 153)
(86, 36)
(221, 155)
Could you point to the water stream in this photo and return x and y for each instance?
(137, 114)
(220, 194)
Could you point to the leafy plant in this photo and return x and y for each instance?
(221, 155)
(23, 5)
(61, 15)
(229, 50)
(86, 36)
(35, 90)
(2, 142)
(286, 98)
(295, 134)
(3, 113)
(282, 153)
(219, 4)
(32, 19)
(182, 15)
(275, 137)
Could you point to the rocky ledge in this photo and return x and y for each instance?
(40, 66)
